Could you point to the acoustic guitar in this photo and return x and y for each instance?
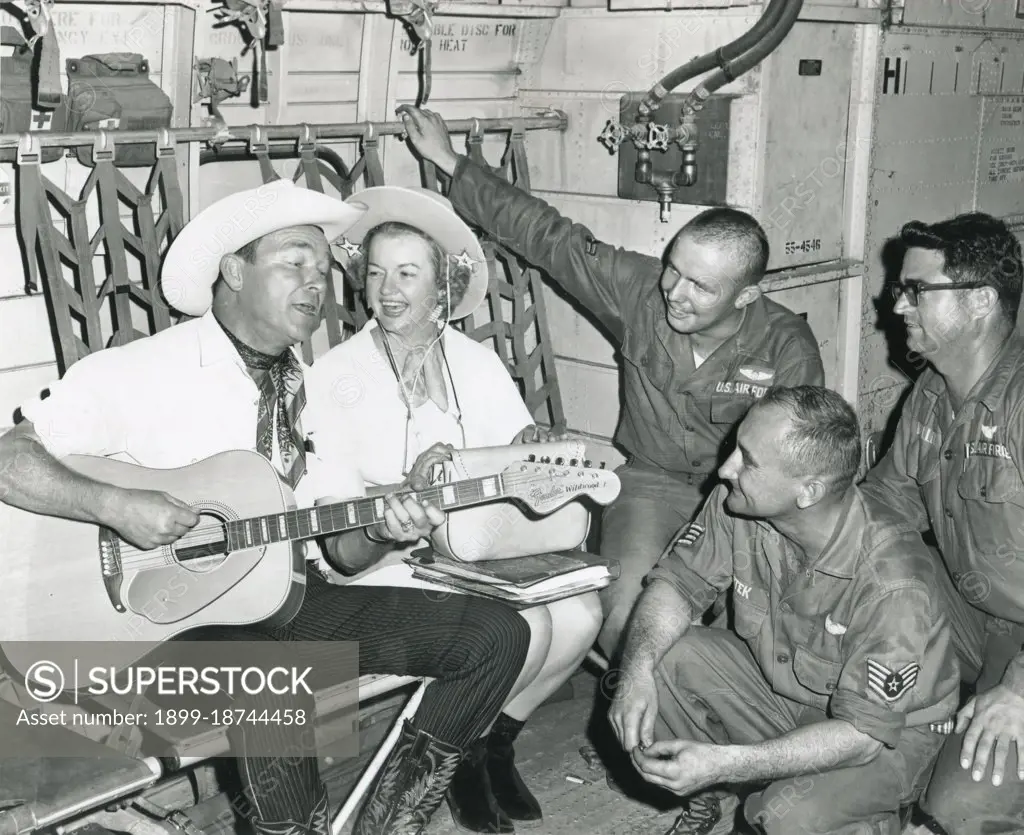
(68, 581)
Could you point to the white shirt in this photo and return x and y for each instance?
(361, 399)
(172, 399)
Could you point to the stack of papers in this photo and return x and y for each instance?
(522, 581)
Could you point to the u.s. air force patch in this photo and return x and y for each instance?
(891, 684)
(691, 533)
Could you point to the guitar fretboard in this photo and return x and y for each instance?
(357, 513)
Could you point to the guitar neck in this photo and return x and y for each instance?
(329, 519)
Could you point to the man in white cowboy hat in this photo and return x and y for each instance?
(406, 390)
(254, 268)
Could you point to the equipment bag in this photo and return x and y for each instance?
(113, 92)
(18, 111)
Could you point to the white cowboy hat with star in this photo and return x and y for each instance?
(433, 215)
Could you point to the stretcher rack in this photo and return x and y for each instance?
(92, 311)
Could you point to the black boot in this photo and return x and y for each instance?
(318, 823)
(472, 805)
(410, 786)
(514, 798)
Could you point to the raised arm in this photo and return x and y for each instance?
(607, 280)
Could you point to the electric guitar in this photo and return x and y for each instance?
(68, 581)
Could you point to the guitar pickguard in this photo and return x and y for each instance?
(193, 575)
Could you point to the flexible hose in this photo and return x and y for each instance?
(748, 60)
(718, 58)
(425, 71)
(326, 155)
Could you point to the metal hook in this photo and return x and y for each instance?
(256, 141)
(308, 137)
(29, 150)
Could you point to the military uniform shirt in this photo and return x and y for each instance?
(675, 416)
(960, 476)
(859, 633)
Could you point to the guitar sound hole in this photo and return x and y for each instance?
(205, 546)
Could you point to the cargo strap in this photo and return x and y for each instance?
(78, 302)
(263, 20)
(519, 336)
(40, 17)
(418, 16)
(217, 80)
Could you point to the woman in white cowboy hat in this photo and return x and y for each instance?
(406, 383)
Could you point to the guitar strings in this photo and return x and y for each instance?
(201, 535)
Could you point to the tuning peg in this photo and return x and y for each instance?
(603, 465)
(586, 463)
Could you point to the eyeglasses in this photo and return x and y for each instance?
(913, 289)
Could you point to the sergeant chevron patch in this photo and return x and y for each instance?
(690, 535)
(891, 684)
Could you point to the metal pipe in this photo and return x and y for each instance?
(552, 120)
(710, 60)
(749, 60)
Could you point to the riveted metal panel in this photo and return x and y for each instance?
(973, 14)
(805, 145)
(593, 51)
(1001, 155)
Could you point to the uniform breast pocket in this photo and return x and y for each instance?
(750, 608)
(991, 489)
(817, 674)
(639, 351)
(922, 461)
(729, 408)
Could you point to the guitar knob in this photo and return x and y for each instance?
(586, 463)
(603, 464)
(545, 459)
(559, 461)
(574, 463)
(531, 457)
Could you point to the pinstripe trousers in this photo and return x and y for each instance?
(473, 648)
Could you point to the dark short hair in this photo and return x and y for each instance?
(975, 247)
(459, 277)
(824, 440)
(739, 233)
(247, 252)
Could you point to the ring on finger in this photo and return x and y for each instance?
(407, 525)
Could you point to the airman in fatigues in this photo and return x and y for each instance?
(840, 659)
(955, 468)
(699, 344)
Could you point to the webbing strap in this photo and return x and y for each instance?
(373, 170)
(29, 193)
(474, 144)
(48, 90)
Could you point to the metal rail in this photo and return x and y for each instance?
(550, 120)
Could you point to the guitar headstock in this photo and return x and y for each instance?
(544, 486)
